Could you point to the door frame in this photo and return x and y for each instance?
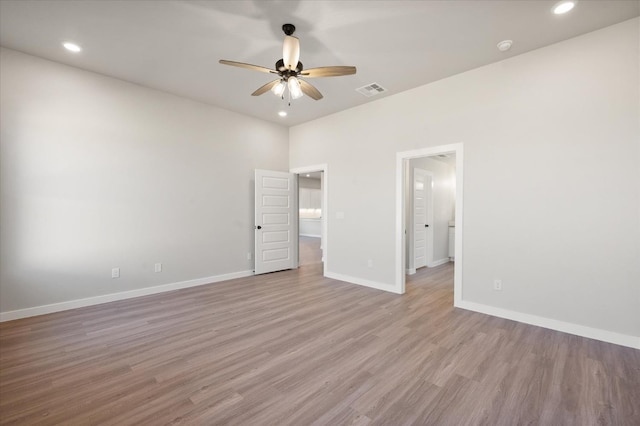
(325, 210)
(402, 160)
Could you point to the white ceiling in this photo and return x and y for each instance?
(175, 45)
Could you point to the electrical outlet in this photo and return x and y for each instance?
(497, 285)
(249, 256)
(157, 267)
(115, 272)
(370, 263)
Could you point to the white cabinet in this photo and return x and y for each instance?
(310, 203)
(310, 227)
(310, 212)
(305, 198)
(315, 199)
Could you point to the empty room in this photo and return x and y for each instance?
(320, 212)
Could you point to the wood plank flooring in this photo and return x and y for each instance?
(309, 250)
(294, 348)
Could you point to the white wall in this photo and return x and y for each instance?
(98, 173)
(552, 178)
(443, 178)
(305, 182)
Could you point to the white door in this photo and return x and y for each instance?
(422, 222)
(276, 221)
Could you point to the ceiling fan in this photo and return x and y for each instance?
(289, 70)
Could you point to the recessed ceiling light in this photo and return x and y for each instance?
(564, 7)
(72, 47)
(505, 45)
(308, 175)
(282, 113)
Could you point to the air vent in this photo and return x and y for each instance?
(371, 90)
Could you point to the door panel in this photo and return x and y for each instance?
(276, 219)
(421, 193)
(276, 237)
(275, 216)
(275, 201)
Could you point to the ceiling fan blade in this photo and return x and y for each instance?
(310, 90)
(291, 52)
(247, 66)
(328, 71)
(265, 88)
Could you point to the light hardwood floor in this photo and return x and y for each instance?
(309, 249)
(294, 348)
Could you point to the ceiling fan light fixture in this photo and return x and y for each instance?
(294, 88)
(278, 89)
(291, 52)
(289, 68)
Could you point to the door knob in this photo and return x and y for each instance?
(258, 227)
(426, 226)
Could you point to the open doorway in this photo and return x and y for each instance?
(430, 210)
(429, 214)
(312, 224)
(310, 217)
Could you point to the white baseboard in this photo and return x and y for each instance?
(360, 281)
(411, 271)
(565, 327)
(97, 300)
(438, 262)
(310, 235)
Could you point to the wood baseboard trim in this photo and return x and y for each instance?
(563, 326)
(97, 300)
(411, 271)
(360, 281)
(311, 235)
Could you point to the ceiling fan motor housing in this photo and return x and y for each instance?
(285, 72)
